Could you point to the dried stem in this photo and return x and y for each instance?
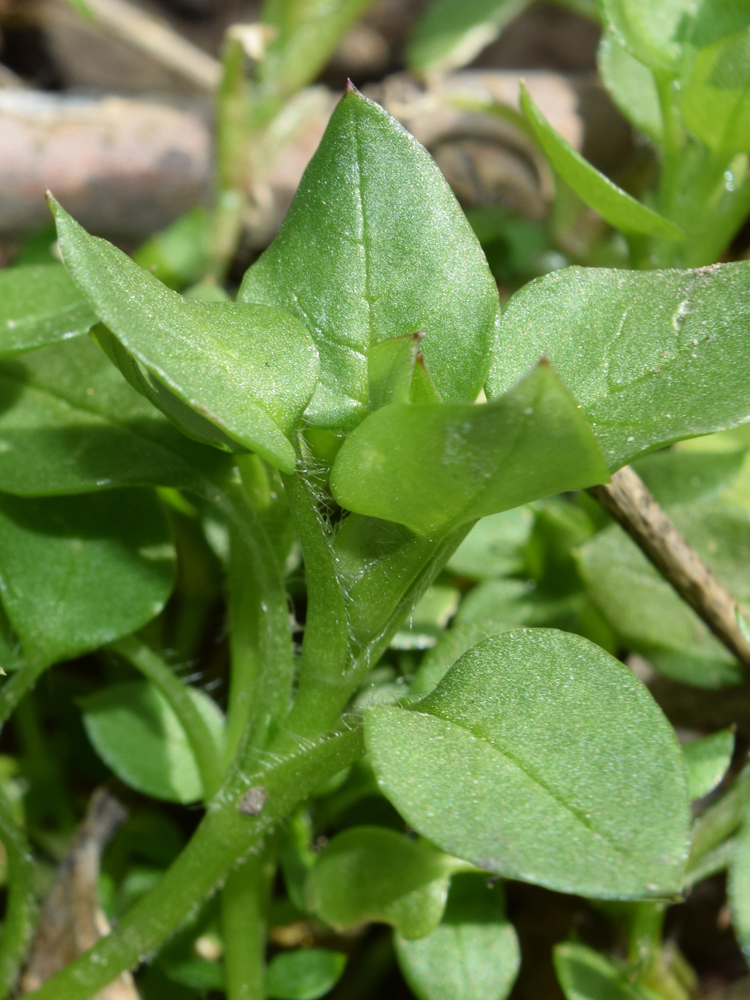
(630, 503)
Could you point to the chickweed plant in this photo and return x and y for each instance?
(362, 448)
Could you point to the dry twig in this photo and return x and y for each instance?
(630, 503)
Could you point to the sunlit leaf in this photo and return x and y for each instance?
(540, 757)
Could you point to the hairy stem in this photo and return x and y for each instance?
(225, 836)
(243, 920)
(630, 503)
(204, 748)
(19, 912)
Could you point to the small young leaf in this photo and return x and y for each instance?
(303, 974)
(390, 367)
(38, 306)
(738, 886)
(69, 423)
(78, 572)
(540, 757)
(375, 246)
(715, 97)
(529, 443)
(650, 356)
(651, 31)
(632, 86)
(708, 760)
(249, 369)
(615, 206)
(584, 974)
(370, 873)
(452, 32)
(472, 955)
(138, 735)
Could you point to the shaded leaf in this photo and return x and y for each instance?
(69, 423)
(472, 955)
(653, 32)
(79, 572)
(738, 886)
(431, 614)
(529, 443)
(38, 306)
(715, 98)
(541, 757)
(136, 733)
(494, 546)
(651, 356)
(251, 370)
(615, 206)
(646, 612)
(584, 974)
(370, 873)
(375, 246)
(304, 974)
(631, 84)
(708, 760)
(451, 33)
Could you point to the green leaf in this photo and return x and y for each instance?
(38, 306)
(426, 621)
(304, 974)
(250, 370)
(708, 760)
(472, 955)
(738, 886)
(370, 873)
(69, 423)
(653, 32)
(632, 86)
(306, 33)
(438, 660)
(451, 33)
(716, 19)
(529, 443)
(136, 733)
(615, 206)
(375, 246)
(651, 357)
(542, 758)
(494, 546)
(584, 974)
(392, 367)
(79, 572)
(644, 610)
(178, 255)
(715, 97)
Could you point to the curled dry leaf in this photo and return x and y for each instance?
(72, 920)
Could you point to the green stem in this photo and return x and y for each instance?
(224, 836)
(14, 689)
(261, 642)
(243, 920)
(19, 912)
(325, 665)
(671, 144)
(178, 696)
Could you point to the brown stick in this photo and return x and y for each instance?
(630, 503)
